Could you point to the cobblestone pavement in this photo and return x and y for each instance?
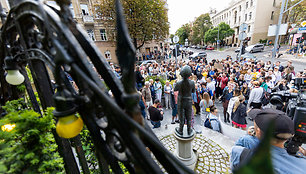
(212, 158)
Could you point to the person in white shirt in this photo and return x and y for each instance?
(270, 84)
(167, 93)
(232, 102)
(248, 77)
(278, 74)
(271, 74)
(255, 96)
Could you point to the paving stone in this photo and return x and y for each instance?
(212, 158)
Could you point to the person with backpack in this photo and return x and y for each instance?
(212, 121)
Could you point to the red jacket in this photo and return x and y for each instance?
(224, 81)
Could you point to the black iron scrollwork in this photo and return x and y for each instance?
(36, 34)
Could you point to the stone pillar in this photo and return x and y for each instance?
(184, 151)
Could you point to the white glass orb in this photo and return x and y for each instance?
(14, 77)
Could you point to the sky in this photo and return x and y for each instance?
(184, 11)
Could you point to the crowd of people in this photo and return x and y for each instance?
(238, 85)
(241, 86)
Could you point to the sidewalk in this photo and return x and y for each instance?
(286, 57)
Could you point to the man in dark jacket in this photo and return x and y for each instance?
(156, 115)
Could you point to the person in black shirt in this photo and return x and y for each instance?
(156, 115)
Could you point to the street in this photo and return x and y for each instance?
(299, 63)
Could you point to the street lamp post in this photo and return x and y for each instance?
(218, 41)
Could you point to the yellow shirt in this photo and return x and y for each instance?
(204, 74)
(254, 75)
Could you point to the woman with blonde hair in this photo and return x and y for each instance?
(239, 113)
(232, 101)
(205, 103)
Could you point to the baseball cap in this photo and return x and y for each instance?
(283, 125)
(253, 113)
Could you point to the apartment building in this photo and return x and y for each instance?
(83, 12)
(258, 14)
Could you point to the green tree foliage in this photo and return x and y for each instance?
(200, 26)
(30, 147)
(171, 36)
(297, 14)
(225, 30)
(183, 33)
(146, 19)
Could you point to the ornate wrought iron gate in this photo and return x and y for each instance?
(37, 35)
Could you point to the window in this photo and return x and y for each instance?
(239, 19)
(272, 15)
(84, 8)
(235, 18)
(249, 28)
(239, 7)
(246, 5)
(250, 16)
(274, 3)
(245, 17)
(103, 35)
(91, 34)
(251, 4)
(107, 54)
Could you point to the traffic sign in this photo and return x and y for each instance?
(243, 27)
(303, 23)
(176, 39)
(242, 36)
(302, 28)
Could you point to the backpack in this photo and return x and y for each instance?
(207, 123)
(265, 98)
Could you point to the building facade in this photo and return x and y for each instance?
(83, 12)
(257, 14)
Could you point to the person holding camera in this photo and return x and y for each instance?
(282, 162)
(156, 114)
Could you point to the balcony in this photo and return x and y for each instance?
(88, 19)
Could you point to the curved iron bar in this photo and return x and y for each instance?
(47, 59)
(73, 52)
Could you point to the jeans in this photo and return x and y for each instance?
(167, 101)
(156, 124)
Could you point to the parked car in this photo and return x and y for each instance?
(255, 48)
(196, 55)
(147, 62)
(204, 47)
(210, 48)
(237, 50)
